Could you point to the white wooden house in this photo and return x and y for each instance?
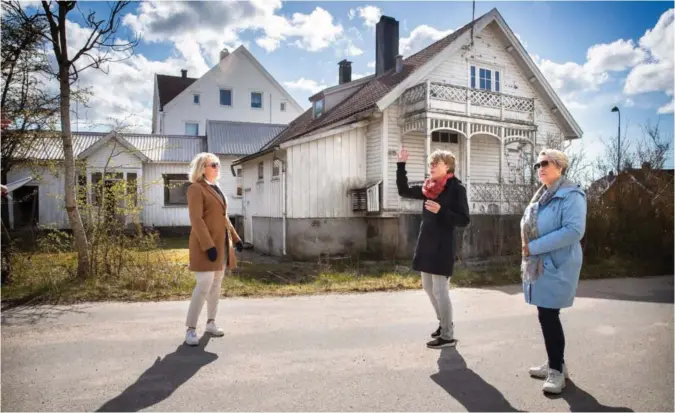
(327, 184)
(238, 88)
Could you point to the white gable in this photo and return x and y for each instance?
(241, 74)
(115, 156)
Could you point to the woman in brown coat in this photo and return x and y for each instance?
(211, 243)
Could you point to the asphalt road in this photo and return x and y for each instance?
(343, 352)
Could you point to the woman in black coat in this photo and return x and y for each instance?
(445, 207)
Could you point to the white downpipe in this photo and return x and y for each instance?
(283, 206)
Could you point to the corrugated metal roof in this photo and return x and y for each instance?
(239, 138)
(159, 148)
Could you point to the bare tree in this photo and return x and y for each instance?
(101, 47)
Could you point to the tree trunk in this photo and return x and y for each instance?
(74, 218)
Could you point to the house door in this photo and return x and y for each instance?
(26, 206)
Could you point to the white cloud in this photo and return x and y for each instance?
(213, 25)
(308, 85)
(520, 39)
(617, 56)
(371, 65)
(629, 103)
(667, 108)
(419, 38)
(370, 15)
(570, 77)
(656, 73)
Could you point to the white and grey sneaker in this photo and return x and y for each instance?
(541, 372)
(213, 329)
(555, 382)
(191, 338)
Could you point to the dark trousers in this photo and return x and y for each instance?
(554, 338)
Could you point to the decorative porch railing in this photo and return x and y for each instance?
(500, 198)
(444, 97)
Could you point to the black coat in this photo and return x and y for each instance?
(435, 250)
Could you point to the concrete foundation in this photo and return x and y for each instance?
(268, 235)
(310, 238)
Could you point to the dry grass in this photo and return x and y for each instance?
(47, 278)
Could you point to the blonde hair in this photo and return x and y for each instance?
(558, 157)
(447, 157)
(198, 164)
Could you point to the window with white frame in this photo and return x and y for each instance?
(256, 100)
(192, 128)
(276, 168)
(282, 106)
(485, 79)
(318, 108)
(225, 97)
(261, 171)
(195, 98)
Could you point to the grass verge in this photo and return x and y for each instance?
(48, 278)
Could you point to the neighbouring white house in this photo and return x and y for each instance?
(327, 183)
(156, 166)
(238, 88)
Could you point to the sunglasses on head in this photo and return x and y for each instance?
(213, 165)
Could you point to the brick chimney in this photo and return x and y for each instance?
(345, 71)
(386, 44)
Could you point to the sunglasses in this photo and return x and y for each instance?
(213, 165)
(542, 164)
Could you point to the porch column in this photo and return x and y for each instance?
(502, 165)
(427, 146)
(468, 163)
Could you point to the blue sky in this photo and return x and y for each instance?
(595, 54)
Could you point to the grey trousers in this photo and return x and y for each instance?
(438, 290)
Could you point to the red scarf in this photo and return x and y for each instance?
(433, 188)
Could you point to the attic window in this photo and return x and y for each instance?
(485, 79)
(282, 107)
(195, 99)
(318, 108)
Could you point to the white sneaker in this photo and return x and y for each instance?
(191, 338)
(213, 329)
(555, 382)
(541, 372)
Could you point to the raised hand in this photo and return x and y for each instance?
(403, 155)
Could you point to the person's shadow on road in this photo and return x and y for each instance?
(466, 386)
(581, 401)
(162, 378)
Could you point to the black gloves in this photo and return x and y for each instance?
(239, 246)
(212, 253)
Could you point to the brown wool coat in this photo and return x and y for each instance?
(208, 217)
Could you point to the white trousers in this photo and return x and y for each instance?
(207, 289)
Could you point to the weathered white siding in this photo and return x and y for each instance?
(484, 158)
(489, 50)
(374, 150)
(393, 144)
(114, 156)
(239, 74)
(51, 201)
(154, 211)
(228, 184)
(321, 172)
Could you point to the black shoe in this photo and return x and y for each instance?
(441, 343)
(436, 333)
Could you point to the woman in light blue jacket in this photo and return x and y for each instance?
(551, 229)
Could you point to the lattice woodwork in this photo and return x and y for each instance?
(452, 93)
(415, 94)
(517, 103)
(437, 124)
(481, 128)
(484, 98)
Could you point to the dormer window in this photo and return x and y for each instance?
(318, 108)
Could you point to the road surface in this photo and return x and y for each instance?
(342, 353)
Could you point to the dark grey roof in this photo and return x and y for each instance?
(170, 86)
(239, 138)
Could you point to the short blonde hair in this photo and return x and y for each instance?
(558, 157)
(447, 157)
(198, 164)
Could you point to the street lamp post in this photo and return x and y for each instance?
(618, 138)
